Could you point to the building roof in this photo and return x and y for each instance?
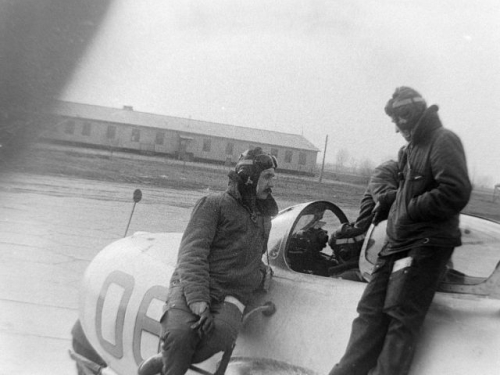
(186, 125)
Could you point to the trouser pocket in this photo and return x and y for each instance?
(398, 285)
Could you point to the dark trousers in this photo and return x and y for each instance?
(182, 346)
(391, 312)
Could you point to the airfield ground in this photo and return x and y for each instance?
(173, 174)
(51, 227)
(60, 207)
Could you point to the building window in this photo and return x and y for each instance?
(87, 127)
(229, 148)
(207, 145)
(70, 127)
(274, 152)
(288, 156)
(302, 158)
(160, 137)
(136, 135)
(111, 132)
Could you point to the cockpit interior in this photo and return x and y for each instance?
(312, 248)
(315, 247)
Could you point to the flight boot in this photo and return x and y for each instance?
(151, 366)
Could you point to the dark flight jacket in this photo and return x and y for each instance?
(434, 188)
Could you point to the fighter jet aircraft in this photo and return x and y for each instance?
(302, 324)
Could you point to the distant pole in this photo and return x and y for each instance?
(323, 164)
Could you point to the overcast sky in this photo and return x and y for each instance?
(307, 67)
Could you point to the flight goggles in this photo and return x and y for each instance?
(264, 161)
(393, 106)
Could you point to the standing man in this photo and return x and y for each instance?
(422, 231)
(219, 267)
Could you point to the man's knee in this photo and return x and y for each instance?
(176, 327)
(402, 321)
(370, 308)
(178, 338)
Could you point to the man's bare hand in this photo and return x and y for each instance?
(198, 307)
(205, 325)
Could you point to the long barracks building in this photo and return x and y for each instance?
(193, 140)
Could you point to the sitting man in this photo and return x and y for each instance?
(219, 267)
(347, 241)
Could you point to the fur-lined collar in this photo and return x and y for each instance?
(427, 124)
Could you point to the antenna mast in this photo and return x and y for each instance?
(323, 164)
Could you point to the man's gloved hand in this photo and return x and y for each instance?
(346, 230)
(205, 325)
(346, 242)
(380, 212)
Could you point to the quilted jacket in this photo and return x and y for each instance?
(222, 247)
(434, 188)
(381, 188)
